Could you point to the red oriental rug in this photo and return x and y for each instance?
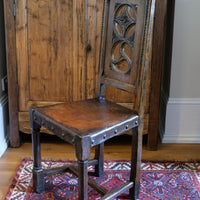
(159, 181)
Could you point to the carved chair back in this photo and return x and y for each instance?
(123, 47)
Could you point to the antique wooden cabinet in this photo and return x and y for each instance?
(52, 57)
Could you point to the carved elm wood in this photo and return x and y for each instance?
(125, 57)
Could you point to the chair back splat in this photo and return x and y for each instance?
(125, 55)
(123, 48)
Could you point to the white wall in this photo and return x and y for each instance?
(185, 74)
(3, 124)
(182, 123)
(3, 93)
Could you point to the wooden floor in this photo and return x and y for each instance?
(116, 149)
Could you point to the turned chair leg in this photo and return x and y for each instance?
(135, 163)
(99, 155)
(38, 175)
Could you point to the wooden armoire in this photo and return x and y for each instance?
(52, 56)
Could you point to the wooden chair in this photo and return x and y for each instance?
(124, 64)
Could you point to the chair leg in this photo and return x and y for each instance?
(99, 155)
(135, 163)
(38, 175)
(82, 146)
(83, 179)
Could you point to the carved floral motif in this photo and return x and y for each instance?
(123, 37)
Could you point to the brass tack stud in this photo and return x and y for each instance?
(63, 135)
(136, 122)
(127, 126)
(73, 141)
(115, 131)
(92, 141)
(104, 137)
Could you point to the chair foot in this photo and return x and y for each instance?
(134, 191)
(83, 180)
(135, 163)
(38, 180)
(99, 171)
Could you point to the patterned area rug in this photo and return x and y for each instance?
(159, 181)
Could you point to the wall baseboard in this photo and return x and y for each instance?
(4, 139)
(182, 124)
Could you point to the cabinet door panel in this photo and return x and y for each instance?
(50, 50)
(52, 38)
(45, 70)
